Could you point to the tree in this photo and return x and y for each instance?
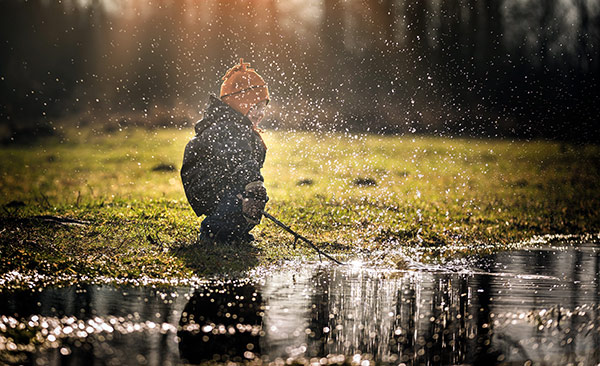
(417, 28)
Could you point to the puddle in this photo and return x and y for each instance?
(531, 307)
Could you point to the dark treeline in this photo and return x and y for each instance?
(516, 68)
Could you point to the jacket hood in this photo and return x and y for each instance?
(218, 112)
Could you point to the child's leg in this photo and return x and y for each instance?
(227, 222)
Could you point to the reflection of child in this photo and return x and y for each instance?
(221, 164)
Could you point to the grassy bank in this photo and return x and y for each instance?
(111, 203)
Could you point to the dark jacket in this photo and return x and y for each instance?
(224, 156)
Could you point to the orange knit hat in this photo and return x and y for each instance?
(242, 88)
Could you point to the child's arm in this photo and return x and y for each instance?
(232, 149)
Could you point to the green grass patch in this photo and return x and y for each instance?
(346, 192)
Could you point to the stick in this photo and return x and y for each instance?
(298, 236)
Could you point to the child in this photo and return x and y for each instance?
(221, 164)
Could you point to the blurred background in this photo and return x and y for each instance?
(486, 68)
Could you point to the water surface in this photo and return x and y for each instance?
(530, 307)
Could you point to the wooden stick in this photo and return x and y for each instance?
(298, 236)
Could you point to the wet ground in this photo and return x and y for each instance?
(530, 307)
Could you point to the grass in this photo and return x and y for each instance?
(349, 193)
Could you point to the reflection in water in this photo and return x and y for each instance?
(412, 318)
(537, 306)
(221, 324)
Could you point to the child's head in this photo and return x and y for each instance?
(243, 88)
(257, 113)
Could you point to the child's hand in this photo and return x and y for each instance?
(254, 201)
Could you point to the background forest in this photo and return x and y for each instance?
(508, 68)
